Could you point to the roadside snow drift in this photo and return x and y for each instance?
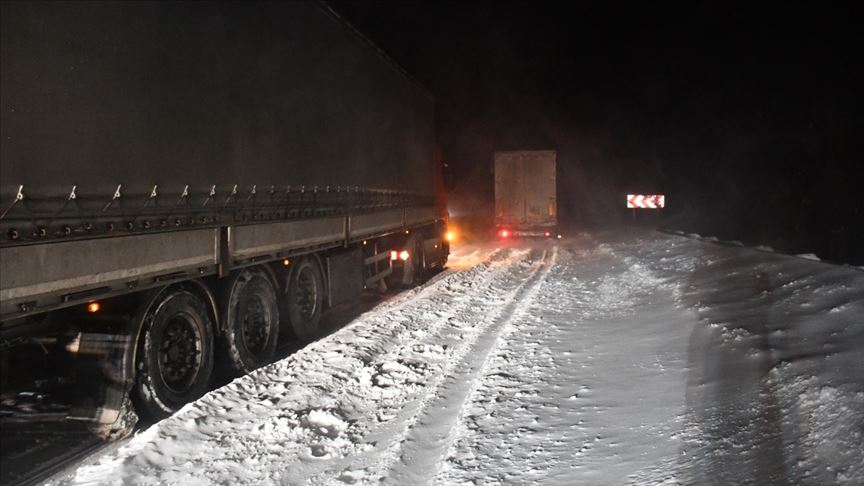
(641, 359)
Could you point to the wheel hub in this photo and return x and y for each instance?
(179, 354)
(307, 294)
(256, 323)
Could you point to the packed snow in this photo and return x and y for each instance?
(599, 359)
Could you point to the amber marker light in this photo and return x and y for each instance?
(286, 262)
(94, 307)
(450, 235)
(403, 255)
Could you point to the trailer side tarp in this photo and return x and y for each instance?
(101, 94)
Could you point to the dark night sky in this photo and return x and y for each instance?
(748, 117)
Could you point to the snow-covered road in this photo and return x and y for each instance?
(647, 359)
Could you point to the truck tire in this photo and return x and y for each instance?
(305, 298)
(250, 320)
(175, 360)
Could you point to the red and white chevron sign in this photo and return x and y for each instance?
(649, 201)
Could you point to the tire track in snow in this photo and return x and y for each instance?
(421, 452)
(475, 304)
(542, 410)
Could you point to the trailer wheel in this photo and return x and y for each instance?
(305, 299)
(251, 320)
(176, 357)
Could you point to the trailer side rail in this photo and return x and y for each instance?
(36, 278)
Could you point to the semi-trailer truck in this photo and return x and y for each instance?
(184, 184)
(525, 193)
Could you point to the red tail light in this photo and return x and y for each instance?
(504, 233)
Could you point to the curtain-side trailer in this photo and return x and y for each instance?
(184, 182)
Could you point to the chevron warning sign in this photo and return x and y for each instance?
(649, 201)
